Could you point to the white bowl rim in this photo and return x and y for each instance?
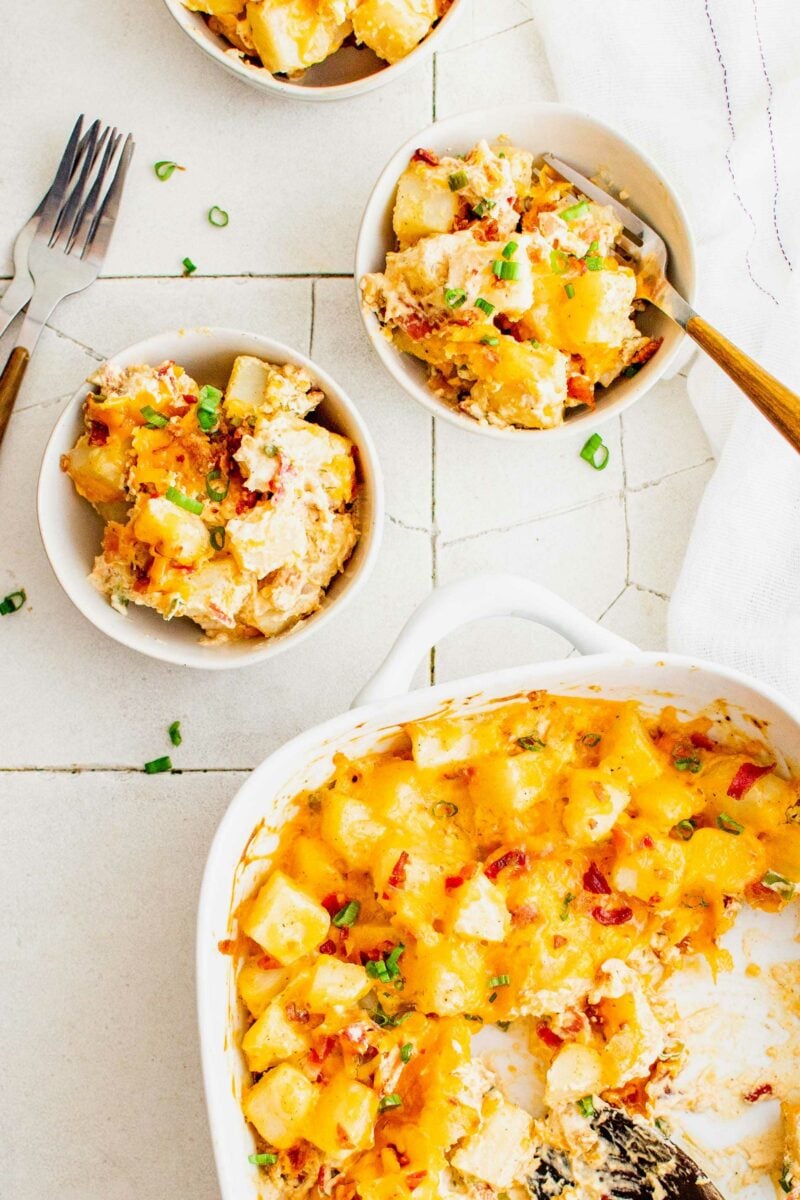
(337, 91)
(217, 658)
(390, 357)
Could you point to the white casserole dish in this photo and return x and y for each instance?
(610, 667)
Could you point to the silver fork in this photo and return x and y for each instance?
(71, 239)
(648, 251)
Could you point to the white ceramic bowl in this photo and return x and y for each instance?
(588, 145)
(71, 530)
(349, 72)
(611, 668)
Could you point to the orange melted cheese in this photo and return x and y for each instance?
(494, 868)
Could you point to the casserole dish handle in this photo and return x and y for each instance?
(456, 604)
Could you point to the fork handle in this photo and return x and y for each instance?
(777, 402)
(10, 381)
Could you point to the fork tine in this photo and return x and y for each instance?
(85, 216)
(69, 210)
(629, 219)
(55, 197)
(102, 226)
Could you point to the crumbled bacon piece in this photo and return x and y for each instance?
(764, 1089)
(298, 1015)
(558, 941)
(452, 882)
(246, 501)
(98, 433)
(322, 1050)
(701, 741)
(417, 327)
(526, 914)
(594, 881)
(328, 947)
(267, 963)
(551, 1039)
(333, 902)
(646, 352)
(513, 328)
(511, 858)
(612, 916)
(579, 388)
(189, 398)
(397, 878)
(426, 156)
(415, 1179)
(647, 842)
(745, 777)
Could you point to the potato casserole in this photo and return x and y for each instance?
(547, 865)
(508, 284)
(235, 510)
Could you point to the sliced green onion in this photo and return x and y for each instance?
(570, 290)
(502, 1025)
(184, 501)
(155, 420)
(490, 340)
(510, 250)
(188, 266)
(684, 830)
(216, 535)
(506, 270)
(563, 915)
(348, 915)
(213, 494)
(575, 211)
(271, 451)
(594, 247)
(594, 262)
(377, 970)
(559, 261)
(444, 809)
(499, 981)
(454, 297)
(689, 763)
(596, 453)
(484, 306)
(632, 370)
(592, 739)
(483, 207)
(406, 1051)
(165, 168)
(662, 1127)
(218, 217)
(174, 732)
(12, 603)
(585, 1106)
(262, 1160)
(157, 766)
(534, 343)
(457, 181)
(208, 402)
(784, 1181)
(493, 997)
(729, 825)
(393, 959)
(530, 743)
(778, 883)
(391, 1101)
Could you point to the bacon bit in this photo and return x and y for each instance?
(612, 916)
(559, 941)
(165, 367)
(513, 328)
(296, 1155)
(426, 156)
(579, 388)
(356, 1035)
(417, 327)
(526, 914)
(469, 871)
(397, 878)
(594, 881)
(328, 947)
(246, 501)
(764, 1089)
(702, 741)
(98, 433)
(745, 777)
(452, 882)
(319, 1053)
(189, 398)
(647, 351)
(368, 1054)
(548, 1036)
(298, 1015)
(267, 963)
(647, 842)
(227, 946)
(515, 858)
(415, 1179)
(333, 903)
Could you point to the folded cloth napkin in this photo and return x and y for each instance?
(711, 90)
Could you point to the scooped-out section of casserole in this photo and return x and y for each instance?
(543, 867)
(509, 285)
(234, 509)
(289, 36)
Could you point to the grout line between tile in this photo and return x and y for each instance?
(651, 483)
(95, 769)
(546, 516)
(434, 539)
(313, 318)
(625, 503)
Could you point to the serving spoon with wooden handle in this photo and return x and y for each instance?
(648, 251)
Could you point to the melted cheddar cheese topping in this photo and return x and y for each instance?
(548, 862)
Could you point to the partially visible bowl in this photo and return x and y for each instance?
(71, 529)
(349, 72)
(586, 144)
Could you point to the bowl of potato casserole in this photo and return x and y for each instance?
(210, 497)
(316, 49)
(495, 293)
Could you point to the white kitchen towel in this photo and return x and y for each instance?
(711, 90)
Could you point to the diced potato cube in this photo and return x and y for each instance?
(479, 911)
(503, 787)
(717, 861)
(350, 827)
(764, 804)
(635, 1038)
(244, 391)
(257, 986)
(285, 920)
(449, 978)
(345, 1117)
(575, 1071)
(594, 802)
(440, 741)
(392, 28)
(652, 873)
(783, 851)
(291, 35)
(98, 472)
(664, 802)
(309, 862)
(272, 1038)
(335, 984)
(280, 1104)
(425, 203)
(629, 753)
(497, 1153)
(178, 535)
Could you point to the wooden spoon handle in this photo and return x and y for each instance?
(778, 404)
(10, 382)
